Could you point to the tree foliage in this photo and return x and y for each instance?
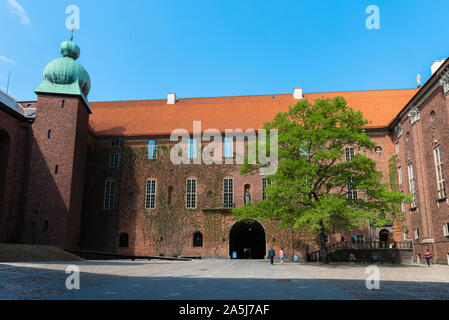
(310, 189)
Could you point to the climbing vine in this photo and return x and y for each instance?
(396, 213)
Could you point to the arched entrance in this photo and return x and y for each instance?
(4, 154)
(384, 235)
(247, 240)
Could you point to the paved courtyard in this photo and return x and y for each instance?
(220, 280)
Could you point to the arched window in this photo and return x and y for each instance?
(49, 134)
(124, 239)
(198, 240)
(63, 104)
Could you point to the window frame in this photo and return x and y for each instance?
(227, 195)
(191, 194)
(150, 197)
(228, 147)
(109, 196)
(411, 185)
(265, 183)
(114, 160)
(152, 149)
(349, 154)
(438, 157)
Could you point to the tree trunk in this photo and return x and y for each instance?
(323, 246)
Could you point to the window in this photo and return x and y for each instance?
(56, 169)
(49, 134)
(265, 183)
(416, 231)
(114, 160)
(353, 193)
(360, 238)
(109, 190)
(446, 229)
(115, 143)
(229, 147)
(326, 239)
(403, 206)
(124, 240)
(397, 148)
(63, 104)
(45, 227)
(152, 149)
(191, 194)
(150, 194)
(440, 175)
(350, 153)
(411, 181)
(405, 235)
(400, 175)
(198, 240)
(191, 148)
(228, 192)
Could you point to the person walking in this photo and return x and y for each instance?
(281, 255)
(271, 254)
(428, 256)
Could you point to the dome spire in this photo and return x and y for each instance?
(71, 35)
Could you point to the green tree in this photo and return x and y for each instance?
(311, 188)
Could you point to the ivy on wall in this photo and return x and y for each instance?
(396, 214)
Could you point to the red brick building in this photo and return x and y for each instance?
(98, 175)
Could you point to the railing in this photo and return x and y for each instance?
(378, 245)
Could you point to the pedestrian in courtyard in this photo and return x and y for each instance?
(281, 255)
(271, 254)
(374, 259)
(428, 256)
(352, 258)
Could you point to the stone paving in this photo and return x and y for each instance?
(220, 280)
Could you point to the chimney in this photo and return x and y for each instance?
(171, 99)
(436, 65)
(297, 94)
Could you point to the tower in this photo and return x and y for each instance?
(59, 146)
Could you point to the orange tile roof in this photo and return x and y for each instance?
(155, 117)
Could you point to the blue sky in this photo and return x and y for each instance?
(142, 49)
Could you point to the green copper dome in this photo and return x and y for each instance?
(65, 75)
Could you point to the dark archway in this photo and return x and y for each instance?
(383, 235)
(4, 155)
(247, 240)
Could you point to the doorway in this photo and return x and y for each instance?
(247, 241)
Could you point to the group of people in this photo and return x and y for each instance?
(272, 254)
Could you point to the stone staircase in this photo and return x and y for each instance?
(29, 253)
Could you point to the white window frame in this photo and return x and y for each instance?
(400, 176)
(398, 148)
(349, 153)
(154, 147)
(411, 182)
(446, 229)
(150, 194)
(227, 193)
(114, 160)
(439, 172)
(228, 147)
(192, 149)
(109, 194)
(191, 195)
(416, 234)
(353, 193)
(265, 183)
